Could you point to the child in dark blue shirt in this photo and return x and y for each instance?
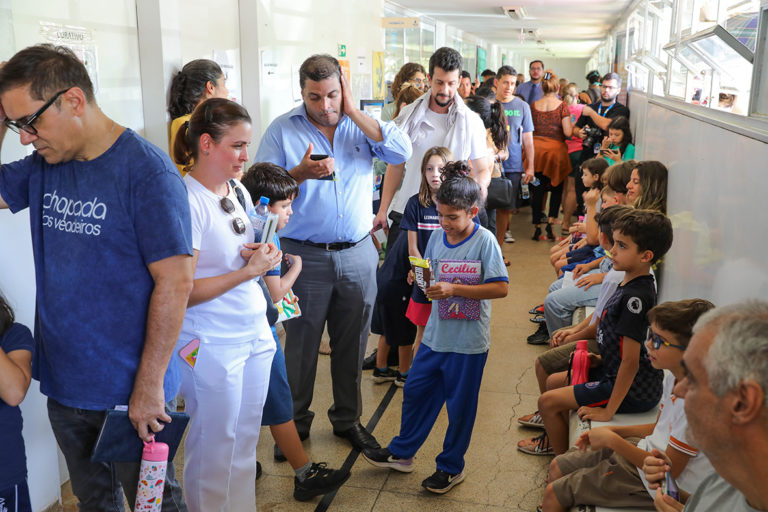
(16, 348)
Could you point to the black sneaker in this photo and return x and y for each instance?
(278, 454)
(381, 376)
(382, 458)
(400, 380)
(369, 363)
(441, 482)
(540, 337)
(319, 480)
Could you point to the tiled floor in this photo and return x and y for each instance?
(498, 476)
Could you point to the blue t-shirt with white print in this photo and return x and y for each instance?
(464, 336)
(13, 459)
(96, 225)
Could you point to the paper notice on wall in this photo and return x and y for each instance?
(269, 68)
(79, 40)
(363, 66)
(229, 61)
(361, 86)
(295, 82)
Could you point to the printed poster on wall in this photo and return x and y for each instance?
(345, 67)
(79, 40)
(379, 84)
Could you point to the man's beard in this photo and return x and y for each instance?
(441, 104)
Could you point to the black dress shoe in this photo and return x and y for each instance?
(369, 363)
(359, 438)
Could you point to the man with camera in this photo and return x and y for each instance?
(592, 126)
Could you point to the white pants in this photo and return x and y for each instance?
(224, 394)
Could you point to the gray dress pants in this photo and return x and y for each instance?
(337, 287)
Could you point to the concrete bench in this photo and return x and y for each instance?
(581, 313)
(576, 427)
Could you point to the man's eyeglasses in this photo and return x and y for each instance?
(26, 124)
(657, 341)
(237, 223)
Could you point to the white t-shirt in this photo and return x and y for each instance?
(671, 429)
(240, 313)
(436, 127)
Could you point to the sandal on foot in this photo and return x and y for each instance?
(506, 262)
(531, 420)
(536, 310)
(538, 445)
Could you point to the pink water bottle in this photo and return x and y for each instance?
(154, 462)
(578, 235)
(580, 364)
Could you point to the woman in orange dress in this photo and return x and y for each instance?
(551, 127)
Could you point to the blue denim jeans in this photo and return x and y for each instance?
(562, 302)
(99, 486)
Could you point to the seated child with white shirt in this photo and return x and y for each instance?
(604, 467)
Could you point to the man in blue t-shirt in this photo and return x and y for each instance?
(520, 125)
(110, 227)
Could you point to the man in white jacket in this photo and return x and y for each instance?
(438, 118)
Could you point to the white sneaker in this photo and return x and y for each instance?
(509, 238)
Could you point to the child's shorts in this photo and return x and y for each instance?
(278, 407)
(597, 393)
(15, 498)
(599, 477)
(582, 254)
(389, 313)
(418, 313)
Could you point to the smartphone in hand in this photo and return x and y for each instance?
(330, 177)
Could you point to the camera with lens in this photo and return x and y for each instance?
(593, 136)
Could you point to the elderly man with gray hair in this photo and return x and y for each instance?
(726, 404)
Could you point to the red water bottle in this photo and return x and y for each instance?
(580, 364)
(154, 462)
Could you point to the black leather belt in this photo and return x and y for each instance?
(333, 246)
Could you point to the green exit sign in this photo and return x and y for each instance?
(342, 50)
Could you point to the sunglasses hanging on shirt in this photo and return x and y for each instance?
(229, 207)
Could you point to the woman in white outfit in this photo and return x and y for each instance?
(225, 380)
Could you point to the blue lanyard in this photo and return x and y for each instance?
(600, 109)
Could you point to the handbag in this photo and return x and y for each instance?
(500, 194)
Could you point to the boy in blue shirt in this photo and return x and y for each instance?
(448, 367)
(312, 479)
(626, 382)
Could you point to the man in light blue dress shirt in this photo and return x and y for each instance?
(531, 91)
(327, 144)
